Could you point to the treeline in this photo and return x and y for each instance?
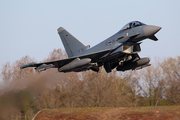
(158, 85)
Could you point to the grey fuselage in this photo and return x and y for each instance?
(113, 42)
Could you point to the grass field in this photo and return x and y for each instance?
(121, 113)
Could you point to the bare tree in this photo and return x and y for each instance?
(171, 71)
(134, 78)
(56, 54)
(6, 72)
(22, 73)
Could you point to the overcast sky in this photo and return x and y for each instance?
(30, 27)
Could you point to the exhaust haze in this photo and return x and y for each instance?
(18, 94)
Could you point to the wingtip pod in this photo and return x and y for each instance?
(60, 29)
(27, 65)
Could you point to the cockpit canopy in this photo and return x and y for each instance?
(132, 25)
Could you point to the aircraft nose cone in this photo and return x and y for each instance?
(151, 30)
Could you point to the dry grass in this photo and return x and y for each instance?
(121, 113)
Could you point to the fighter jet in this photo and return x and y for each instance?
(119, 51)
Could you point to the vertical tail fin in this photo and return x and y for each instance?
(71, 44)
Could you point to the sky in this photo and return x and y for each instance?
(30, 27)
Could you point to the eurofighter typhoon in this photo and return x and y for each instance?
(119, 51)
